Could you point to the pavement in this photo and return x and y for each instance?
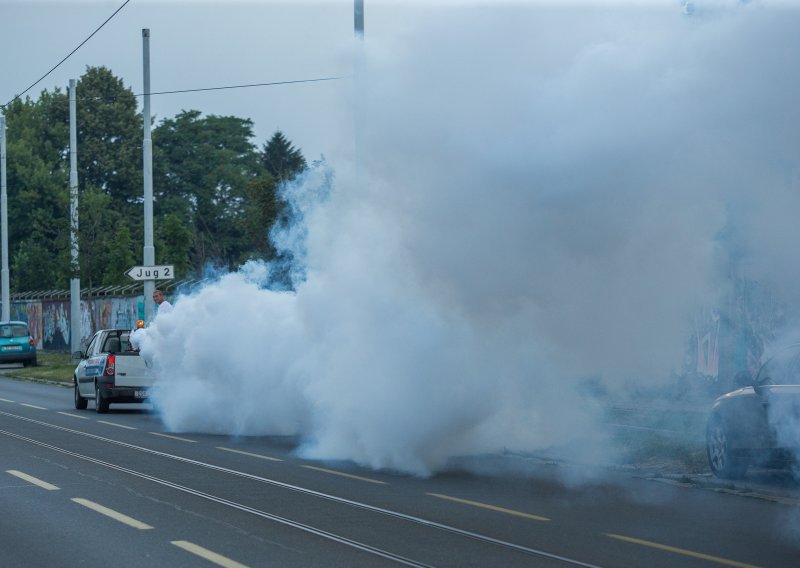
(778, 486)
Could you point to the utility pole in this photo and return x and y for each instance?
(76, 330)
(358, 88)
(6, 297)
(358, 13)
(149, 249)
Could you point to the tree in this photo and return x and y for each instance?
(201, 168)
(173, 244)
(261, 211)
(38, 198)
(119, 257)
(281, 159)
(109, 137)
(216, 195)
(96, 236)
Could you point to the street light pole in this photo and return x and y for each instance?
(358, 14)
(6, 296)
(149, 249)
(75, 280)
(358, 64)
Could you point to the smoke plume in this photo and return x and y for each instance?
(540, 195)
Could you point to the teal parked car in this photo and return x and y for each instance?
(16, 343)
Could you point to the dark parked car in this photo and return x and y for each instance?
(16, 343)
(758, 424)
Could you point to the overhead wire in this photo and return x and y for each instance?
(57, 65)
(82, 97)
(243, 86)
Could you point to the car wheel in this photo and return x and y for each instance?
(100, 404)
(80, 402)
(722, 460)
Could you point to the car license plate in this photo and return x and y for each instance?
(140, 394)
(12, 348)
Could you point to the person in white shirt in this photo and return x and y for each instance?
(164, 307)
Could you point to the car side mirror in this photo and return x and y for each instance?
(77, 355)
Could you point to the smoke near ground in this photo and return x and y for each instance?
(542, 196)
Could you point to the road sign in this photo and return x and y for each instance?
(163, 272)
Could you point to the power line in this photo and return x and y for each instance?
(82, 97)
(244, 86)
(57, 65)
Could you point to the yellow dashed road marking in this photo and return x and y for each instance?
(682, 551)
(249, 454)
(490, 507)
(342, 474)
(31, 479)
(217, 559)
(174, 437)
(130, 521)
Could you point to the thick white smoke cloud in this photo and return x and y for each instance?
(540, 200)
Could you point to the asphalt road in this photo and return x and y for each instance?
(82, 489)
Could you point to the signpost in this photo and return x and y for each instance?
(144, 273)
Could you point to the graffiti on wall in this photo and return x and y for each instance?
(119, 313)
(55, 324)
(30, 312)
(49, 321)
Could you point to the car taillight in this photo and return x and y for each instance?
(109, 370)
(31, 342)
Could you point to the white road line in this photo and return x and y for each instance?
(31, 479)
(130, 521)
(217, 559)
(117, 425)
(74, 415)
(6, 400)
(249, 454)
(274, 482)
(33, 406)
(173, 437)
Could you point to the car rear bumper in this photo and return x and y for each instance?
(125, 394)
(16, 356)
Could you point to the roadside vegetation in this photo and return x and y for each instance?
(52, 366)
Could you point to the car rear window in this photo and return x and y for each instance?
(13, 330)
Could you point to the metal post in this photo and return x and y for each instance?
(76, 331)
(358, 64)
(149, 249)
(6, 296)
(358, 13)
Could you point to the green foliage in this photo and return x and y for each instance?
(173, 244)
(119, 256)
(215, 194)
(38, 206)
(262, 208)
(203, 165)
(281, 159)
(97, 221)
(33, 266)
(109, 136)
